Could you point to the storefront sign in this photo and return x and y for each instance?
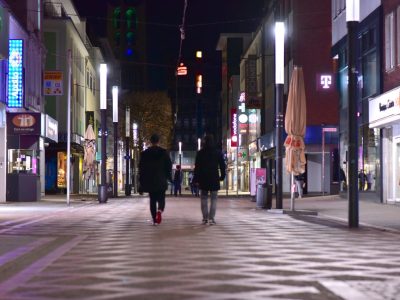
(384, 109)
(234, 129)
(251, 76)
(15, 73)
(51, 129)
(324, 82)
(53, 83)
(26, 123)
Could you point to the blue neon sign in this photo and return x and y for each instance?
(15, 73)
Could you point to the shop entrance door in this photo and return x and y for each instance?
(396, 176)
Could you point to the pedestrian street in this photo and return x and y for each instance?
(111, 251)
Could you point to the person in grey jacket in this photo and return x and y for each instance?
(155, 170)
(209, 170)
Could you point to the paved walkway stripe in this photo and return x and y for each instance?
(15, 253)
(35, 268)
(344, 290)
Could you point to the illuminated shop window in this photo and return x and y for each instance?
(15, 69)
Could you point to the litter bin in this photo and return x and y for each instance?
(264, 196)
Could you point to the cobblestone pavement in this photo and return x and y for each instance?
(111, 251)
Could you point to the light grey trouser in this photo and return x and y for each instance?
(204, 204)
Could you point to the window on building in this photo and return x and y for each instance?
(389, 42)
(369, 63)
(130, 38)
(117, 38)
(398, 34)
(130, 18)
(117, 18)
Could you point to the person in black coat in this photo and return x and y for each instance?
(209, 170)
(155, 169)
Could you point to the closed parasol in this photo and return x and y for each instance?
(295, 126)
(90, 151)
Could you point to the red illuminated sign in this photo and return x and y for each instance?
(234, 129)
(181, 70)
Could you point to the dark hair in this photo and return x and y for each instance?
(154, 139)
(208, 141)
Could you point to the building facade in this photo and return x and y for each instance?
(369, 35)
(65, 31)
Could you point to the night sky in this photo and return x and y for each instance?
(205, 20)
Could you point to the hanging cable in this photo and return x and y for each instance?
(182, 30)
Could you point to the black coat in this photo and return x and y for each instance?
(155, 169)
(209, 169)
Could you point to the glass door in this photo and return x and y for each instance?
(397, 171)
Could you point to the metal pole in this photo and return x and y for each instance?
(69, 125)
(103, 185)
(292, 183)
(323, 162)
(135, 166)
(279, 145)
(115, 159)
(127, 185)
(127, 156)
(352, 125)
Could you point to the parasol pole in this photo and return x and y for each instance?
(292, 192)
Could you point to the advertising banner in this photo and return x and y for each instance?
(23, 123)
(53, 83)
(257, 176)
(15, 73)
(234, 128)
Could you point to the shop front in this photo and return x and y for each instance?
(384, 120)
(23, 156)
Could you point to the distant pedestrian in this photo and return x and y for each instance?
(155, 169)
(300, 184)
(208, 172)
(178, 181)
(343, 180)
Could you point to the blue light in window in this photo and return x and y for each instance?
(15, 68)
(129, 52)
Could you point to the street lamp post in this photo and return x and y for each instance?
(102, 193)
(135, 145)
(352, 18)
(115, 121)
(127, 156)
(180, 154)
(279, 82)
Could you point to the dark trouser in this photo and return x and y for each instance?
(177, 189)
(156, 197)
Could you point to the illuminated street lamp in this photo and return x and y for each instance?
(102, 193)
(352, 19)
(279, 83)
(115, 122)
(198, 143)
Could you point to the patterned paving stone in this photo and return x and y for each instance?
(104, 252)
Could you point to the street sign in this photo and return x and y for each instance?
(181, 70)
(53, 83)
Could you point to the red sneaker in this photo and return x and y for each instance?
(158, 217)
